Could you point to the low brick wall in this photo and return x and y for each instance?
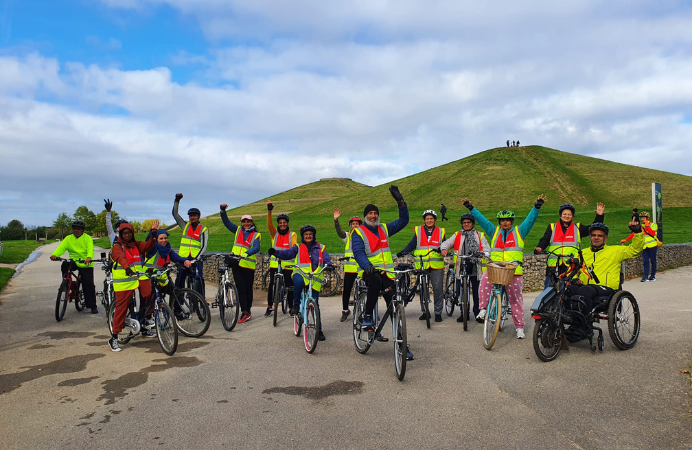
(669, 256)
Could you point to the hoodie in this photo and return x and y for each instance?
(117, 252)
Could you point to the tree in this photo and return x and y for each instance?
(100, 222)
(87, 216)
(62, 224)
(13, 231)
(146, 225)
(137, 226)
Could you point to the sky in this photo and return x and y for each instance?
(230, 101)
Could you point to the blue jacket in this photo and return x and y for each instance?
(233, 228)
(313, 250)
(489, 227)
(392, 228)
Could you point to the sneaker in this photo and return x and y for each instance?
(520, 333)
(95, 310)
(644, 280)
(344, 315)
(181, 316)
(321, 336)
(409, 355)
(438, 317)
(149, 323)
(242, 317)
(367, 321)
(148, 333)
(652, 278)
(113, 343)
(294, 311)
(481, 316)
(424, 316)
(248, 316)
(269, 311)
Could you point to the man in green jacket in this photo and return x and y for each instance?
(80, 246)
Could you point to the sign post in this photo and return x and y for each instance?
(657, 208)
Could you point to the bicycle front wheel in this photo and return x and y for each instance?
(79, 302)
(278, 295)
(465, 302)
(503, 310)
(492, 321)
(312, 326)
(61, 301)
(400, 341)
(362, 338)
(330, 283)
(229, 307)
(449, 292)
(193, 315)
(425, 300)
(166, 328)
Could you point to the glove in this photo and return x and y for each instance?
(369, 270)
(223, 207)
(468, 205)
(636, 228)
(270, 206)
(400, 254)
(108, 204)
(396, 194)
(178, 197)
(130, 272)
(271, 251)
(539, 203)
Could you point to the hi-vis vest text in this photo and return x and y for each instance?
(563, 243)
(155, 261)
(282, 242)
(650, 241)
(377, 248)
(305, 263)
(241, 247)
(423, 245)
(512, 249)
(350, 266)
(458, 249)
(121, 282)
(191, 242)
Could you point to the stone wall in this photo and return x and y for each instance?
(669, 257)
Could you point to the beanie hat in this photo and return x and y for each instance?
(369, 208)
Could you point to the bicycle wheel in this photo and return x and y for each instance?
(330, 283)
(449, 292)
(465, 302)
(61, 301)
(312, 327)
(277, 295)
(131, 328)
(547, 340)
(400, 341)
(284, 299)
(362, 338)
(265, 281)
(425, 300)
(199, 288)
(196, 315)
(492, 321)
(79, 302)
(166, 328)
(623, 320)
(503, 315)
(229, 307)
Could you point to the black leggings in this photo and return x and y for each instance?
(349, 279)
(244, 280)
(377, 282)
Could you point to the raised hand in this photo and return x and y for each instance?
(600, 209)
(394, 190)
(337, 213)
(178, 196)
(108, 204)
(223, 206)
(270, 205)
(467, 203)
(635, 227)
(155, 226)
(541, 199)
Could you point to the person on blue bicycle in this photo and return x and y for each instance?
(282, 238)
(193, 243)
(310, 256)
(507, 244)
(467, 242)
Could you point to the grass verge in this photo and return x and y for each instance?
(5, 275)
(17, 251)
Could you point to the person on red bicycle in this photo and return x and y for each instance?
(80, 247)
(282, 239)
(350, 266)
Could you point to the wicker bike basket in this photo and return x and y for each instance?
(501, 272)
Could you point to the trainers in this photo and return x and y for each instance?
(481, 316)
(269, 311)
(520, 333)
(182, 316)
(94, 310)
(344, 315)
(242, 317)
(652, 278)
(367, 321)
(424, 316)
(149, 322)
(294, 311)
(321, 336)
(113, 343)
(438, 317)
(409, 355)
(148, 333)
(644, 280)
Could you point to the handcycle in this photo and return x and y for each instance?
(554, 308)
(164, 319)
(364, 337)
(422, 284)
(227, 295)
(309, 314)
(70, 289)
(500, 274)
(280, 294)
(458, 286)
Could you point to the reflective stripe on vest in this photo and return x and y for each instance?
(241, 247)
(350, 265)
(509, 249)
(650, 241)
(156, 262)
(191, 242)
(559, 241)
(305, 263)
(377, 248)
(457, 245)
(122, 282)
(282, 242)
(423, 245)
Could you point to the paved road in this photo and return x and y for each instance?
(256, 387)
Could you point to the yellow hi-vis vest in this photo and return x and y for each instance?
(191, 242)
(563, 243)
(305, 263)
(377, 248)
(650, 241)
(121, 282)
(282, 242)
(350, 266)
(241, 247)
(156, 262)
(423, 245)
(511, 249)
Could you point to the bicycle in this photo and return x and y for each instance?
(108, 294)
(193, 281)
(423, 285)
(280, 292)
(227, 295)
(164, 319)
(189, 305)
(458, 287)
(364, 337)
(500, 274)
(309, 313)
(70, 289)
(331, 280)
(359, 287)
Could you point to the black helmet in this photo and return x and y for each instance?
(282, 216)
(568, 206)
(599, 226)
(193, 211)
(78, 224)
(468, 216)
(307, 227)
(120, 222)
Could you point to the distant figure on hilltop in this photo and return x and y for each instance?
(443, 210)
(517, 143)
(507, 142)
(513, 145)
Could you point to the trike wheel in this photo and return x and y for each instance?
(623, 320)
(547, 340)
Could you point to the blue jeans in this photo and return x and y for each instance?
(649, 254)
(298, 288)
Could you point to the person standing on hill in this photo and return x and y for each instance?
(517, 143)
(193, 243)
(507, 142)
(561, 237)
(350, 266)
(246, 244)
(443, 211)
(650, 245)
(283, 239)
(513, 145)
(507, 244)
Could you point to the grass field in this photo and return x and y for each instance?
(17, 251)
(5, 275)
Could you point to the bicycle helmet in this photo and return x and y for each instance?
(468, 216)
(282, 216)
(193, 211)
(78, 224)
(599, 226)
(568, 206)
(644, 214)
(506, 214)
(307, 227)
(355, 219)
(430, 212)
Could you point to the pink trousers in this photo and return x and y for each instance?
(514, 295)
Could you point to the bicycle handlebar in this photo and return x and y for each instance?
(436, 249)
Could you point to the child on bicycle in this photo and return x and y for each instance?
(507, 244)
(310, 257)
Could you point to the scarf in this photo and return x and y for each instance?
(470, 241)
(163, 251)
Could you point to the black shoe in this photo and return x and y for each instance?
(479, 320)
(460, 319)
(95, 310)
(294, 311)
(424, 316)
(344, 315)
(268, 312)
(438, 317)
(321, 336)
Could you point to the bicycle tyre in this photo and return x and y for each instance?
(330, 283)
(79, 302)
(362, 338)
(465, 302)
(425, 301)
(200, 289)
(229, 307)
(297, 325)
(197, 310)
(622, 310)
(284, 299)
(400, 341)
(278, 294)
(61, 301)
(410, 292)
(503, 316)
(166, 328)
(265, 281)
(312, 327)
(492, 321)
(547, 340)
(449, 293)
(130, 314)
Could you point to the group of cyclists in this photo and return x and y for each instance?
(367, 255)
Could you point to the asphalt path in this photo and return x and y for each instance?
(256, 387)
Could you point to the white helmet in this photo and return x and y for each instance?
(430, 212)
